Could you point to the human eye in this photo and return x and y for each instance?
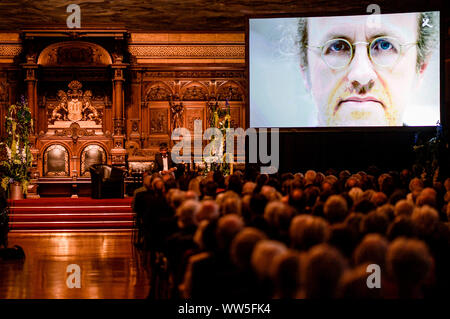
(384, 45)
(337, 46)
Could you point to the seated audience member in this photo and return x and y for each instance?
(209, 210)
(372, 250)
(248, 188)
(409, 263)
(262, 259)
(425, 220)
(322, 271)
(241, 253)
(182, 240)
(379, 198)
(285, 273)
(278, 217)
(335, 209)
(342, 238)
(403, 208)
(402, 226)
(214, 276)
(306, 231)
(353, 285)
(375, 222)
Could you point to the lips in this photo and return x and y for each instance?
(358, 99)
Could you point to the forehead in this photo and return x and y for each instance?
(403, 26)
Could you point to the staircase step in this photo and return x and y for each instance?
(76, 214)
(68, 209)
(70, 216)
(72, 225)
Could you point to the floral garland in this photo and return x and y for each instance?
(19, 124)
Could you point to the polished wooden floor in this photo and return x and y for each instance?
(110, 267)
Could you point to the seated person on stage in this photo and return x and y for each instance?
(163, 161)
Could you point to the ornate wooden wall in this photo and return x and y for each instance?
(133, 77)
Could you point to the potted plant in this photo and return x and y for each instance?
(16, 148)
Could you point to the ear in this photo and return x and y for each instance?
(305, 76)
(421, 72)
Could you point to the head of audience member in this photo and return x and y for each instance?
(258, 204)
(427, 196)
(210, 189)
(278, 216)
(323, 268)
(379, 198)
(191, 195)
(310, 177)
(403, 208)
(231, 206)
(158, 186)
(409, 263)
(372, 250)
(306, 231)
(209, 210)
(401, 226)
(177, 198)
(194, 185)
(354, 222)
(342, 238)
(425, 220)
(353, 285)
(248, 188)
(235, 184)
(147, 182)
(375, 222)
(388, 210)
(263, 255)
(415, 184)
(228, 227)
(355, 194)
(187, 214)
(242, 247)
(285, 273)
(335, 209)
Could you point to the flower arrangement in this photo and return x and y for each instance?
(18, 160)
(219, 118)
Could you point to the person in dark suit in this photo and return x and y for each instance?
(163, 161)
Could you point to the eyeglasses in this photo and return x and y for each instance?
(383, 51)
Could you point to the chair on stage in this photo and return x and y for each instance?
(107, 181)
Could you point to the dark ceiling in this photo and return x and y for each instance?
(176, 15)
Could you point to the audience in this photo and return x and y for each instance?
(296, 236)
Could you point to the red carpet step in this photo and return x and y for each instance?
(71, 214)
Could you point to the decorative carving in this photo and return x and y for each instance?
(158, 121)
(91, 154)
(78, 108)
(75, 132)
(74, 53)
(4, 95)
(56, 161)
(192, 115)
(184, 51)
(195, 93)
(230, 92)
(157, 93)
(177, 110)
(118, 126)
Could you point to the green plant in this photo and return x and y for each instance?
(18, 159)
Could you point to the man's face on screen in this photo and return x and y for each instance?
(374, 86)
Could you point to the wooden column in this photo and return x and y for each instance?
(118, 152)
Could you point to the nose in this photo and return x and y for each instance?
(361, 76)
